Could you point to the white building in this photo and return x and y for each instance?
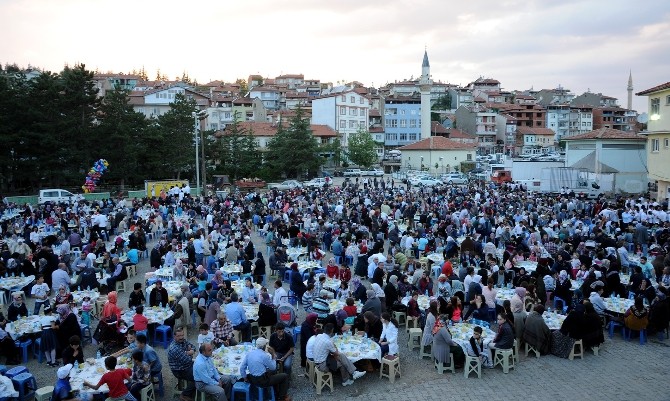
(343, 110)
(436, 154)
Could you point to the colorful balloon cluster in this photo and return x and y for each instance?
(94, 175)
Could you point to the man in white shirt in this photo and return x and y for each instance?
(327, 358)
(60, 277)
(279, 293)
(40, 292)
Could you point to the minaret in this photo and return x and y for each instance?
(630, 90)
(425, 84)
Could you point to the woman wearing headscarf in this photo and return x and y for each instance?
(332, 271)
(65, 327)
(379, 293)
(111, 312)
(178, 270)
(563, 286)
(357, 290)
(431, 318)
(217, 280)
(519, 297)
(297, 285)
(267, 315)
(563, 340)
(373, 325)
(404, 287)
(518, 313)
(307, 330)
(225, 290)
(443, 344)
(373, 304)
(155, 256)
(213, 307)
(259, 268)
(64, 296)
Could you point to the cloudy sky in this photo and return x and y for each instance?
(578, 44)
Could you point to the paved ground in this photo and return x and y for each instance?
(623, 371)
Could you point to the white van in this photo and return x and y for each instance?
(55, 196)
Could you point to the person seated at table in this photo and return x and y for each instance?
(536, 332)
(392, 297)
(158, 295)
(225, 290)
(475, 347)
(645, 290)
(217, 280)
(88, 279)
(533, 296)
(358, 291)
(267, 312)
(373, 304)
(203, 301)
(119, 273)
(659, 312)
(373, 325)
(592, 326)
(178, 270)
(425, 284)
(73, 353)
(141, 375)
(596, 297)
(63, 296)
(115, 380)
(284, 346)
(17, 308)
(8, 347)
(563, 340)
(388, 340)
(478, 309)
(62, 389)
(136, 297)
(332, 270)
(504, 338)
(110, 310)
(344, 274)
(321, 304)
(207, 378)
(523, 276)
(249, 292)
(140, 322)
(238, 318)
(413, 311)
(308, 298)
(637, 316)
(563, 287)
(81, 263)
(262, 364)
(443, 344)
(65, 327)
(307, 331)
(327, 358)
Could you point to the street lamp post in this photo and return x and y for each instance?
(196, 131)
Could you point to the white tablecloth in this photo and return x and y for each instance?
(528, 265)
(461, 333)
(436, 258)
(235, 268)
(357, 348)
(553, 320)
(228, 360)
(28, 325)
(295, 253)
(423, 301)
(79, 296)
(336, 305)
(172, 287)
(153, 314)
(15, 283)
(304, 266)
(92, 372)
(164, 273)
(618, 305)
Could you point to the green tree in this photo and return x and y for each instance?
(122, 131)
(244, 88)
(334, 149)
(293, 150)
(362, 149)
(176, 141)
(442, 103)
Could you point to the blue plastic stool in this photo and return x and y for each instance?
(86, 335)
(36, 349)
(627, 333)
(261, 393)
(163, 335)
(241, 388)
(24, 345)
(338, 259)
(234, 278)
(287, 276)
(3, 369)
(296, 333)
(15, 371)
(613, 325)
(26, 385)
(349, 260)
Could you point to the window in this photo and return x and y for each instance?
(412, 112)
(412, 137)
(469, 156)
(412, 123)
(667, 100)
(666, 143)
(402, 112)
(391, 137)
(343, 110)
(655, 105)
(353, 99)
(343, 123)
(343, 98)
(352, 124)
(361, 100)
(361, 112)
(403, 137)
(352, 111)
(403, 123)
(655, 145)
(392, 123)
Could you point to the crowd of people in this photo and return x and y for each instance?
(378, 235)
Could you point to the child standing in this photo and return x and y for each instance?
(86, 309)
(48, 337)
(40, 292)
(140, 322)
(114, 380)
(205, 335)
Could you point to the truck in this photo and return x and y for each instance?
(568, 180)
(154, 188)
(501, 176)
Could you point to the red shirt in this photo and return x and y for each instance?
(447, 268)
(332, 271)
(140, 322)
(114, 380)
(345, 274)
(351, 310)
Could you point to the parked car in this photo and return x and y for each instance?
(424, 180)
(353, 172)
(315, 183)
(454, 178)
(286, 185)
(55, 196)
(374, 172)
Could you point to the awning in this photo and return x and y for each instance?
(589, 163)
